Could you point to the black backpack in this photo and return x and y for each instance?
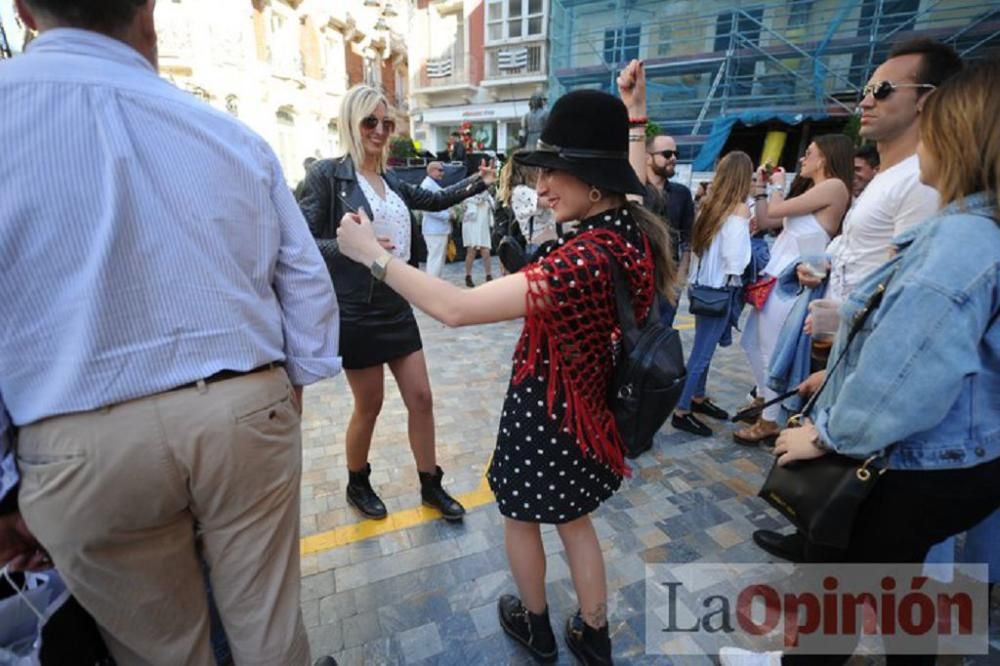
(649, 372)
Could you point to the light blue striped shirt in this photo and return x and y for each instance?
(146, 239)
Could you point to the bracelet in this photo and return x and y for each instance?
(775, 189)
(641, 120)
(636, 138)
(759, 196)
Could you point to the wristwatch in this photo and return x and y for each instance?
(379, 265)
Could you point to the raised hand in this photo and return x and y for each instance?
(488, 171)
(632, 88)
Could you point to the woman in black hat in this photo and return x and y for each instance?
(559, 453)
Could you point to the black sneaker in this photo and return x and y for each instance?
(689, 423)
(532, 631)
(468, 282)
(709, 408)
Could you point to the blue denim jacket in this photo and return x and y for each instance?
(791, 360)
(924, 371)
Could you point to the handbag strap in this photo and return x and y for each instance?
(857, 323)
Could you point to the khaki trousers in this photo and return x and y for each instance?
(116, 495)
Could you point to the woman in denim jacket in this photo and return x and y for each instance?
(920, 381)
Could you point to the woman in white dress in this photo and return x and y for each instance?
(808, 223)
(477, 218)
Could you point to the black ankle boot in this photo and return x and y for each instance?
(591, 646)
(532, 631)
(361, 496)
(437, 497)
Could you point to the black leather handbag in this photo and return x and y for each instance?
(649, 372)
(823, 496)
(708, 301)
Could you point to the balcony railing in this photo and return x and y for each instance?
(446, 71)
(507, 62)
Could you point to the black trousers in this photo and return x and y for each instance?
(906, 514)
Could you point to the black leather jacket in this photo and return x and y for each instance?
(330, 191)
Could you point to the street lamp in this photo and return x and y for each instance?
(381, 25)
(371, 3)
(389, 11)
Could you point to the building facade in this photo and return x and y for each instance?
(283, 66)
(476, 63)
(717, 69)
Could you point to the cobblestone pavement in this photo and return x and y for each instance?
(424, 591)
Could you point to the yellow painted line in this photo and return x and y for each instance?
(366, 529)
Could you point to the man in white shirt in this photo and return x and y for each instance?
(435, 225)
(893, 201)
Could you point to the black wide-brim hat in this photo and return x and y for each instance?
(586, 134)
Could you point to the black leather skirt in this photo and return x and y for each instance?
(376, 332)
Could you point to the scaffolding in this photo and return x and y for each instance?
(711, 64)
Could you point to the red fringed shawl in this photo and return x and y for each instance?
(571, 313)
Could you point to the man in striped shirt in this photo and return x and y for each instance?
(163, 304)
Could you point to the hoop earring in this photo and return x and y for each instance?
(595, 195)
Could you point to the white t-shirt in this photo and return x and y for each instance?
(726, 259)
(894, 201)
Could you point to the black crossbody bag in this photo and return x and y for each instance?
(823, 496)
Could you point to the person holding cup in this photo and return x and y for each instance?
(377, 326)
(808, 222)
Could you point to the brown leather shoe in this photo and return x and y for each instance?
(761, 432)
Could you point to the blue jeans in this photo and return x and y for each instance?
(709, 333)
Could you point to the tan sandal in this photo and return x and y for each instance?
(762, 432)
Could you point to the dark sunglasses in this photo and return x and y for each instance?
(371, 122)
(882, 89)
(667, 154)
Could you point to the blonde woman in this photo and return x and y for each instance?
(377, 327)
(720, 251)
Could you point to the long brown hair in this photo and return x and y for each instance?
(959, 130)
(655, 229)
(838, 151)
(730, 188)
(513, 174)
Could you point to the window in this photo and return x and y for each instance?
(335, 67)
(798, 12)
(514, 19)
(663, 39)
(287, 152)
(621, 45)
(373, 70)
(333, 138)
(284, 46)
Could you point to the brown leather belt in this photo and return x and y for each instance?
(223, 375)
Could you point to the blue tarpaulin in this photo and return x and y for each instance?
(723, 126)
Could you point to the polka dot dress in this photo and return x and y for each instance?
(539, 474)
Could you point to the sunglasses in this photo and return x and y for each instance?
(667, 154)
(371, 122)
(882, 89)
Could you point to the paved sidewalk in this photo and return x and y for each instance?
(416, 590)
